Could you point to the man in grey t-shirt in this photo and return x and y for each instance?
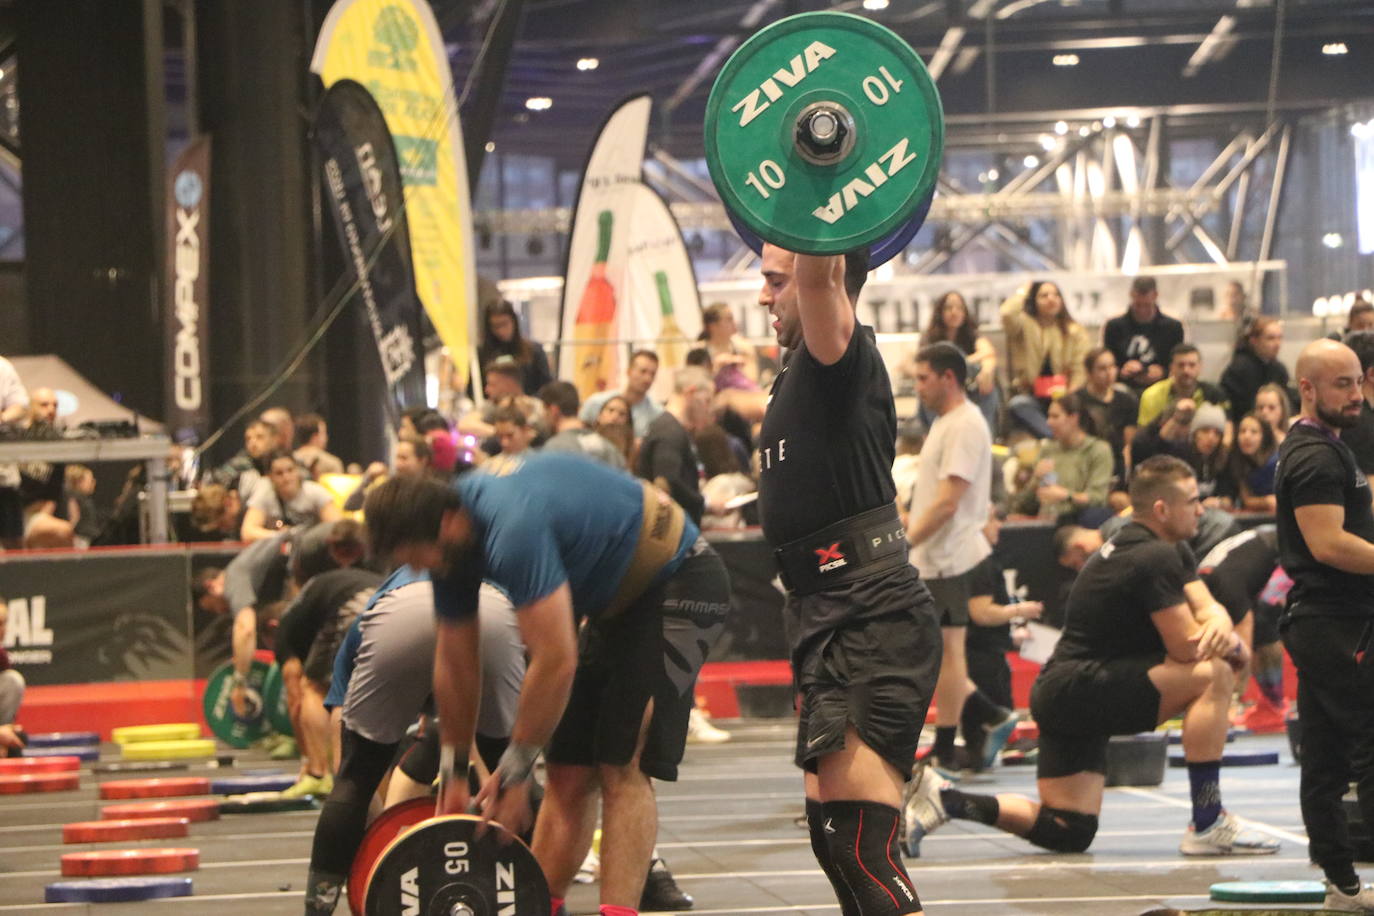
(284, 500)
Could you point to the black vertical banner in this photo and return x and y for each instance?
(186, 327)
(363, 184)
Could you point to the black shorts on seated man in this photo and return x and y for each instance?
(1143, 641)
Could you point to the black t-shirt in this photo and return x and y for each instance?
(1360, 439)
(986, 579)
(322, 598)
(1151, 344)
(1318, 469)
(1131, 577)
(669, 452)
(1237, 569)
(828, 441)
(1111, 419)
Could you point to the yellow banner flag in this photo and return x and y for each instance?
(394, 48)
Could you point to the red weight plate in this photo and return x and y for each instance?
(147, 828)
(193, 809)
(108, 862)
(379, 835)
(39, 764)
(162, 787)
(19, 783)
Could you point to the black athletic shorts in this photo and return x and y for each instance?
(1266, 622)
(951, 596)
(876, 672)
(1078, 705)
(652, 650)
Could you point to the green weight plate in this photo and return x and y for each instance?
(274, 702)
(1269, 891)
(265, 803)
(832, 61)
(227, 725)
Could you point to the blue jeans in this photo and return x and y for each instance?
(1026, 411)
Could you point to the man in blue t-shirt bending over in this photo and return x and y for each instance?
(567, 540)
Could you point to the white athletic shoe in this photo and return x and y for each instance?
(701, 731)
(1226, 837)
(922, 810)
(1341, 902)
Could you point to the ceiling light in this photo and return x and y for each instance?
(1333, 240)
(539, 103)
(1362, 129)
(1061, 127)
(491, 146)
(993, 174)
(1109, 122)
(1066, 60)
(588, 63)
(1084, 131)
(1031, 162)
(875, 5)
(1133, 121)
(1047, 142)
(1335, 49)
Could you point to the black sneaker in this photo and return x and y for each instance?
(661, 891)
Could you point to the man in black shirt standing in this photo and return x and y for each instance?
(1143, 338)
(668, 456)
(1360, 437)
(1326, 544)
(1143, 641)
(863, 631)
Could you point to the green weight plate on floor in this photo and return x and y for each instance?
(227, 725)
(873, 157)
(274, 702)
(1269, 891)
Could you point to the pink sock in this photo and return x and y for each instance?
(608, 910)
(557, 904)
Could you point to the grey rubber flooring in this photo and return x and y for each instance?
(727, 832)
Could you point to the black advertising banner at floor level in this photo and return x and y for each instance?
(97, 617)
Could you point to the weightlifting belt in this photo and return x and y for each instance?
(850, 549)
(660, 533)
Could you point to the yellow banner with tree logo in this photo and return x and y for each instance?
(395, 49)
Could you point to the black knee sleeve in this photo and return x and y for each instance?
(420, 761)
(343, 821)
(815, 824)
(862, 840)
(1059, 830)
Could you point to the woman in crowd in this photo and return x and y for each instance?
(1254, 364)
(1045, 348)
(613, 422)
(1252, 464)
(501, 337)
(950, 321)
(1360, 317)
(1074, 471)
(724, 479)
(1272, 405)
(1112, 408)
(734, 362)
(1209, 457)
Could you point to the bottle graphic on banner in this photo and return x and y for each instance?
(670, 335)
(596, 319)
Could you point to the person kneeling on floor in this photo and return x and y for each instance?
(1143, 641)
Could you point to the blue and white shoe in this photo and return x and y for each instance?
(922, 809)
(999, 733)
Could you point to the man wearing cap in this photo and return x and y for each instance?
(1143, 337)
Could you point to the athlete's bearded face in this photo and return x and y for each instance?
(779, 295)
(1335, 390)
